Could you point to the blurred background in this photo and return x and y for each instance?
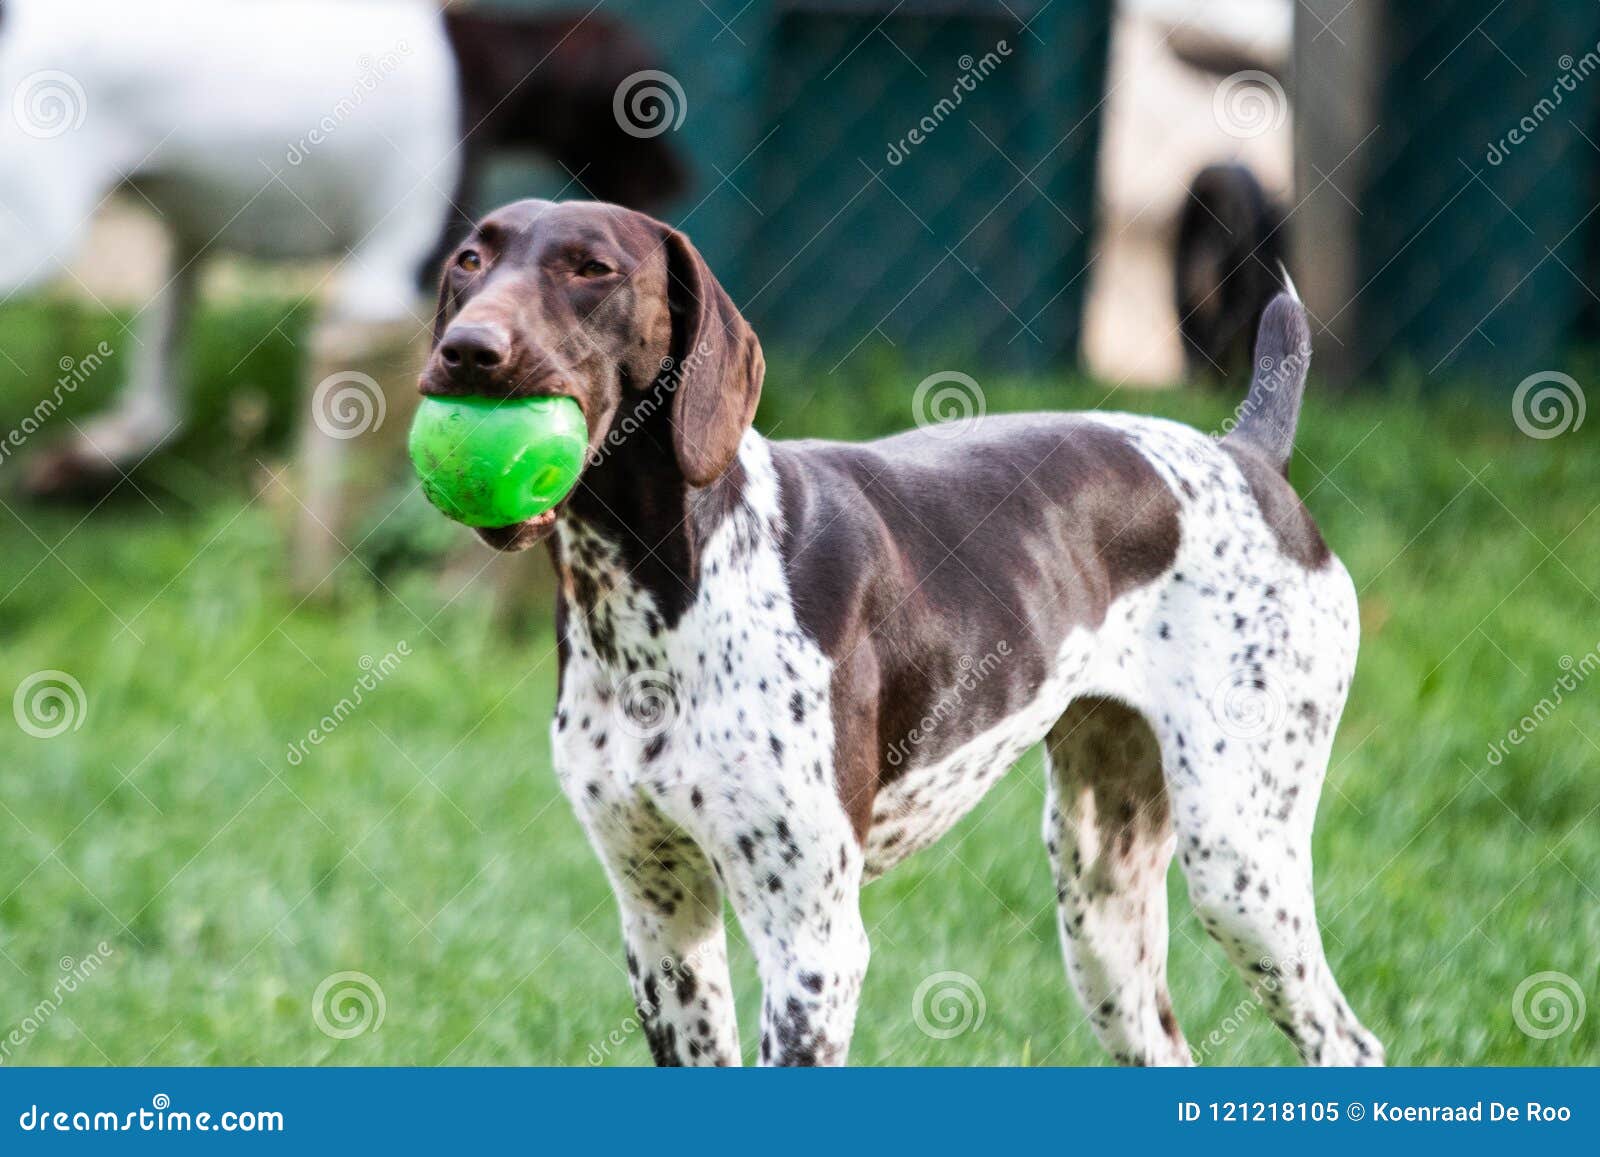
(304, 813)
(1423, 209)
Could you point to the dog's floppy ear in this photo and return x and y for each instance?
(717, 370)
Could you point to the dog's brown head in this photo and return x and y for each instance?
(610, 308)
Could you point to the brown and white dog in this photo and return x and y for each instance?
(770, 677)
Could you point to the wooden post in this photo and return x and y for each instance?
(1337, 46)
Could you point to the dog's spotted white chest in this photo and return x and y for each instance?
(726, 705)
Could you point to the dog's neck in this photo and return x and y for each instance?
(633, 534)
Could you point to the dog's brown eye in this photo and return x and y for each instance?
(594, 269)
(470, 261)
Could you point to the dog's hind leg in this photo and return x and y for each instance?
(1110, 838)
(1250, 883)
(1246, 746)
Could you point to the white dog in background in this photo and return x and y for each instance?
(287, 129)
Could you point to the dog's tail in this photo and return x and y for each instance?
(1266, 418)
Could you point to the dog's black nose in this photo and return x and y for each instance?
(472, 351)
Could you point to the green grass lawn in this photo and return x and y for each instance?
(426, 845)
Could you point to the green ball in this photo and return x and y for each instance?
(497, 462)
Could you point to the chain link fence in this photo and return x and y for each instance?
(1476, 188)
(917, 175)
(923, 175)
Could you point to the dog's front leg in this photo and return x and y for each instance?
(678, 965)
(678, 970)
(794, 877)
(672, 929)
